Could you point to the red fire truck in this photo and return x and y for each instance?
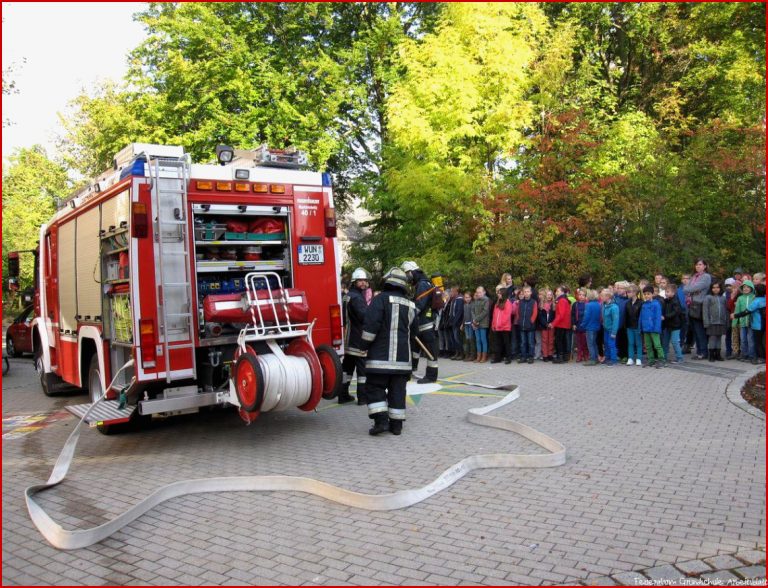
(211, 284)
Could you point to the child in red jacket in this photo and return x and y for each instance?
(561, 325)
(501, 325)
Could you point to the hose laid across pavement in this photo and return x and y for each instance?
(64, 539)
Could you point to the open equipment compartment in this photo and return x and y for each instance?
(231, 240)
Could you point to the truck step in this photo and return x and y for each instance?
(106, 413)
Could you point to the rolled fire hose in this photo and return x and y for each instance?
(64, 539)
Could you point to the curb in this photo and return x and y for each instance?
(733, 393)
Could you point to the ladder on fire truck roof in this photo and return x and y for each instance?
(170, 177)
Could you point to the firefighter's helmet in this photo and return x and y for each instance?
(409, 266)
(437, 280)
(396, 277)
(360, 274)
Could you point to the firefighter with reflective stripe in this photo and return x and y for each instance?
(390, 323)
(355, 307)
(422, 297)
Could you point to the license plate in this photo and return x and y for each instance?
(311, 254)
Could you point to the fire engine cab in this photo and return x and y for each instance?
(211, 284)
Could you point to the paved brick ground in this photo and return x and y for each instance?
(662, 470)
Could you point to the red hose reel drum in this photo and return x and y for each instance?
(302, 348)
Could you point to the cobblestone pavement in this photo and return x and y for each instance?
(664, 479)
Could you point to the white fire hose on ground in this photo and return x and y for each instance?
(64, 539)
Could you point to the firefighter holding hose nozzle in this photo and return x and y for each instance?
(355, 306)
(390, 323)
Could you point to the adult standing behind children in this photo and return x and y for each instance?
(696, 290)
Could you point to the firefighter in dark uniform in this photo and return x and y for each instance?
(390, 322)
(422, 297)
(354, 357)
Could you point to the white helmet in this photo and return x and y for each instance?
(409, 266)
(396, 277)
(360, 274)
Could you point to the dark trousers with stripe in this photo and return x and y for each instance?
(386, 393)
(349, 365)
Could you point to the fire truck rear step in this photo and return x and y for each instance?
(106, 413)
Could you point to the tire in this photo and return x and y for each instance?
(332, 371)
(249, 382)
(10, 348)
(93, 383)
(47, 381)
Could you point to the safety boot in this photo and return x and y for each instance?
(429, 377)
(396, 427)
(380, 424)
(344, 395)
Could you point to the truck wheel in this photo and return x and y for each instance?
(94, 381)
(332, 372)
(50, 383)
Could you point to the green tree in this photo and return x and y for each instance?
(449, 140)
(313, 75)
(31, 181)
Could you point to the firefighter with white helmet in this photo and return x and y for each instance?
(354, 307)
(422, 296)
(390, 323)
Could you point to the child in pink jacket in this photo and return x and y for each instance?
(501, 325)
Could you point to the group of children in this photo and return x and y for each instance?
(638, 323)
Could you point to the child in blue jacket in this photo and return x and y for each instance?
(757, 310)
(590, 324)
(610, 326)
(650, 325)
